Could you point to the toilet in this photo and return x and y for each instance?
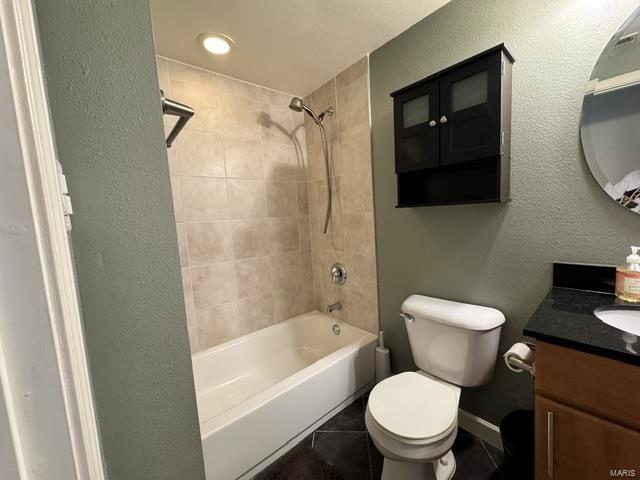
(412, 417)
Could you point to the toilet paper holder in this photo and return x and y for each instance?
(515, 364)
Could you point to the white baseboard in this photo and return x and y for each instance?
(479, 427)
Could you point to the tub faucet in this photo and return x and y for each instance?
(334, 306)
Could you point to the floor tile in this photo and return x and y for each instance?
(472, 460)
(376, 460)
(347, 451)
(267, 473)
(350, 418)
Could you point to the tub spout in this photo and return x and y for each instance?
(334, 306)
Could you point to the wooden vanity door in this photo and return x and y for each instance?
(574, 445)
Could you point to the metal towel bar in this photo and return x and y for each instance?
(169, 107)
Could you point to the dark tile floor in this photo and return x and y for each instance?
(343, 442)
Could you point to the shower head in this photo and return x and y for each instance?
(297, 105)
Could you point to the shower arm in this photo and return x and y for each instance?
(170, 107)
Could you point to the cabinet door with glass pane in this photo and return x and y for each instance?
(470, 111)
(416, 132)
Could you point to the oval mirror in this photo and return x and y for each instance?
(610, 126)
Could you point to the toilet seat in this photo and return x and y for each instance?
(414, 408)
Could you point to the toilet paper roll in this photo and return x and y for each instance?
(522, 352)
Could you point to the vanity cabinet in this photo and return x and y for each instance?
(452, 133)
(587, 415)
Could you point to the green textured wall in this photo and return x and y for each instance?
(499, 255)
(100, 72)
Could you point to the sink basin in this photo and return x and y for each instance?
(623, 318)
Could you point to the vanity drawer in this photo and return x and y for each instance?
(595, 384)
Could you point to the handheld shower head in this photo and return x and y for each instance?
(296, 104)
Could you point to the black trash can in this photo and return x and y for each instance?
(517, 430)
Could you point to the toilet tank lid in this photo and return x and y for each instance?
(463, 315)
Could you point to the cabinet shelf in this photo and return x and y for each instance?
(452, 134)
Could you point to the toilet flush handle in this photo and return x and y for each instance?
(407, 317)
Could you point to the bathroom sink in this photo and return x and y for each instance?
(623, 318)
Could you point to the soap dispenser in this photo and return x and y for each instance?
(628, 278)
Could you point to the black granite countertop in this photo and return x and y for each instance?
(565, 317)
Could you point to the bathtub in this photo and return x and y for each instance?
(260, 394)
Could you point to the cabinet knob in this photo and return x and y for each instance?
(443, 119)
(433, 123)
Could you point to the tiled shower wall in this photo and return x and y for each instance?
(350, 238)
(238, 174)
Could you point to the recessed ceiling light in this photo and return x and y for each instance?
(216, 43)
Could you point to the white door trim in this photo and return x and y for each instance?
(18, 27)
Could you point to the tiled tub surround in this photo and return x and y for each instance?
(350, 237)
(238, 174)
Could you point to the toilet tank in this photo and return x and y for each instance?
(456, 342)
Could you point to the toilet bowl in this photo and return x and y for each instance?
(412, 417)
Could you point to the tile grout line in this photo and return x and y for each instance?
(369, 457)
(491, 458)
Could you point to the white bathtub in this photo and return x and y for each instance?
(261, 393)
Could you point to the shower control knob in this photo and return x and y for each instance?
(338, 274)
(443, 119)
(433, 123)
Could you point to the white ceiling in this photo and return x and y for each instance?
(289, 45)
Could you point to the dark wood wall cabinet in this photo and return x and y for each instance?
(587, 416)
(452, 133)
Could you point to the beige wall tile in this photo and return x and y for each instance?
(287, 270)
(326, 90)
(333, 239)
(354, 150)
(359, 234)
(246, 198)
(278, 123)
(253, 276)
(284, 235)
(205, 102)
(217, 325)
(243, 158)
(356, 191)
(213, 284)
(182, 244)
(256, 312)
(209, 242)
(178, 204)
(188, 292)
(354, 72)
(303, 198)
(353, 104)
(362, 273)
(250, 238)
(287, 303)
(204, 198)
(273, 97)
(282, 199)
(361, 311)
(304, 228)
(231, 86)
(282, 162)
(201, 154)
(242, 117)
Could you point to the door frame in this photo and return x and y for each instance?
(19, 39)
